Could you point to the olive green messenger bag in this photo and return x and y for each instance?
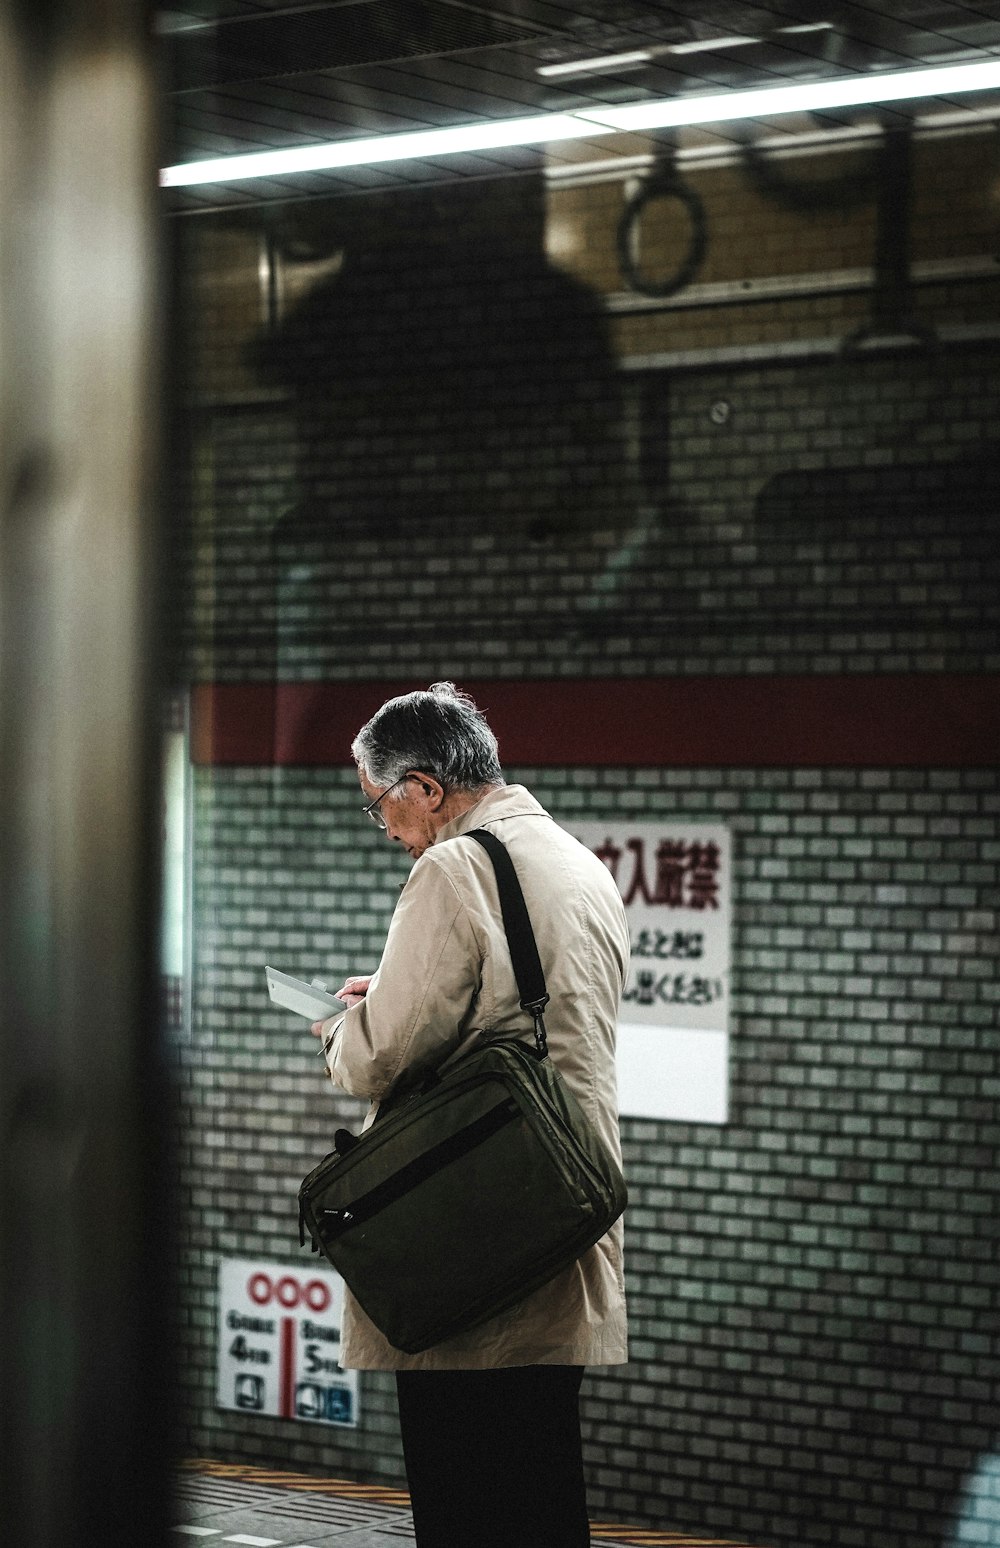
(475, 1188)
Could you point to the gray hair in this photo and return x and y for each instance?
(437, 730)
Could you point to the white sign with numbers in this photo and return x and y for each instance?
(675, 880)
(279, 1343)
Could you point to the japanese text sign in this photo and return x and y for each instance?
(675, 880)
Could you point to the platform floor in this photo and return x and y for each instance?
(223, 1502)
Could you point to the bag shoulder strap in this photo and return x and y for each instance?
(520, 936)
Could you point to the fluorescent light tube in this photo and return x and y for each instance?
(807, 97)
(711, 45)
(421, 144)
(584, 123)
(597, 64)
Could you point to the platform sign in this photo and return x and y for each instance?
(279, 1343)
(675, 880)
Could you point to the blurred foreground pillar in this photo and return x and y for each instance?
(83, 1402)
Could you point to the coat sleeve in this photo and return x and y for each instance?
(420, 999)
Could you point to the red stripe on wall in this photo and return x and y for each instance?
(945, 720)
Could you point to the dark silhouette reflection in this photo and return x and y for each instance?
(450, 386)
(448, 371)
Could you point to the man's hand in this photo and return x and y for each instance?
(354, 990)
(352, 993)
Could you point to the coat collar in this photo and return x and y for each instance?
(507, 801)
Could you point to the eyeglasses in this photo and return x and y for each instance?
(372, 810)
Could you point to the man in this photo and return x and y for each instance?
(489, 1419)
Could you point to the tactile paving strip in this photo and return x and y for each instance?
(346, 1504)
(344, 1488)
(330, 1510)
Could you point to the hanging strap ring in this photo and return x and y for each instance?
(662, 183)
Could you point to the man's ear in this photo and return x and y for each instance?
(432, 788)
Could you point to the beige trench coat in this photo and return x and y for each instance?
(446, 974)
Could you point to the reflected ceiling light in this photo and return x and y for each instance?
(598, 64)
(420, 144)
(585, 123)
(612, 63)
(712, 45)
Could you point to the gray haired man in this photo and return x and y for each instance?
(489, 1419)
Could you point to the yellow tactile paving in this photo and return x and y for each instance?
(343, 1488)
(380, 1494)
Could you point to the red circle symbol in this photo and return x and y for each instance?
(287, 1291)
(259, 1289)
(317, 1295)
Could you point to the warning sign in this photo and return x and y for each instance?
(675, 880)
(279, 1343)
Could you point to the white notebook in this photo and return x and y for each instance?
(312, 1000)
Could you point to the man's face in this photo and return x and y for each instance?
(409, 813)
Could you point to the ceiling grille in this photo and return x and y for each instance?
(330, 37)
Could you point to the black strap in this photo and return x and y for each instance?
(520, 936)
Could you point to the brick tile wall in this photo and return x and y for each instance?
(813, 1286)
(800, 520)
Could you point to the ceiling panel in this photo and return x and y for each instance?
(330, 37)
(257, 74)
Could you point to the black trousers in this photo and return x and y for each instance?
(494, 1458)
